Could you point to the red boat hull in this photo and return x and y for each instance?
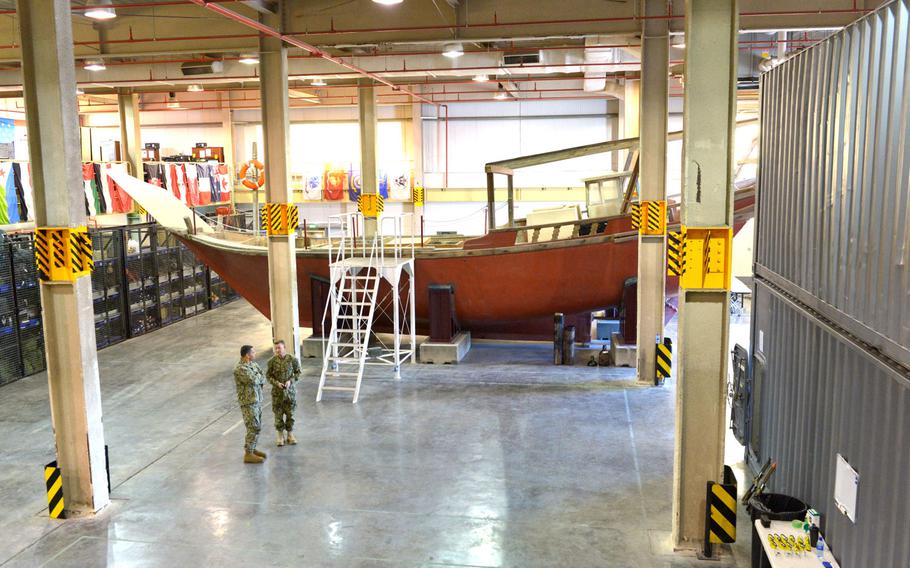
(500, 291)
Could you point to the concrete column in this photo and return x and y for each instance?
(49, 86)
(653, 159)
(367, 107)
(417, 157)
(273, 85)
(130, 135)
(709, 116)
(629, 112)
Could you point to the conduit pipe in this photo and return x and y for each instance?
(260, 27)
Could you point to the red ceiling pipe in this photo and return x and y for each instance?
(249, 22)
(497, 24)
(132, 5)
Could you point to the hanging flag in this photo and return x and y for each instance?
(6, 169)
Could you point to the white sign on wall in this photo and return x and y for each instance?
(846, 484)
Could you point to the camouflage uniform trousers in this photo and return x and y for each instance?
(284, 405)
(252, 418)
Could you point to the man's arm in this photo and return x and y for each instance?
(272, 375)
(244, 381)
(296, 369)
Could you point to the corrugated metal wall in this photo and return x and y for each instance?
(831, 312)
(821, 395)
(834, 200)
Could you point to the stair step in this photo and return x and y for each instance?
(341, 374)
(329, 388)
(347, 345)
(345, 360)
(349, 303)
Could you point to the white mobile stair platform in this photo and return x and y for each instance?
(367, 283)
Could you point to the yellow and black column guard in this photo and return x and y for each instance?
(371, 205)
(635, 210)
(720, 512)
(280, 219)
(676, 252)
(63, 254)
(54, 482)
(418, 195)
(664, 360)
(650, 217)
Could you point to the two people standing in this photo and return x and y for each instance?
(283, 371)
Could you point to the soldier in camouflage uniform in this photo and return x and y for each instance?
(283, 371)
(249, 381)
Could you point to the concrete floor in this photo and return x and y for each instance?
(503, 460)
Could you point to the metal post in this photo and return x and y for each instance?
(273, 86)
(396, 307)
(511, 200)
(491, 202)
(653, 167)
(412, 301)
(709, 111)
(49, 86)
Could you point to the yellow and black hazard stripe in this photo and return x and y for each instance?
(370, 204)
(722, 508)
(280, 218)
(664, 360)
(54, 483)
(676, 252)
(417, 195)
(63, 254)
(655, 224)
(636, 215)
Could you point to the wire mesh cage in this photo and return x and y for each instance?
(141, 269)
(27, 299)
(171, 286)
(107, 287)
(219, 291)
(10, 359)
(195, 278)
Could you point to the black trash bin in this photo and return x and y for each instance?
(774, 507)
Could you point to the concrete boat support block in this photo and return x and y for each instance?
(313, 347)
(441, 353)
(623, 355)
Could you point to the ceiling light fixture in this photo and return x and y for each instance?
(453, 50)
(481, 78)
(319, 83)
(248, 59)
(94, 65)
(100, 11)
(502, 94)
(172, 102)
(388, 2)
(195, 88)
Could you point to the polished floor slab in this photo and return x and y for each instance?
(503, 460)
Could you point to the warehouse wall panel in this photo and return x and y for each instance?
(823, 394)
(833, 186)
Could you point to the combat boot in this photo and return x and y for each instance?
(291, 439)
(280, 440)
(260, 454)
(252, 458)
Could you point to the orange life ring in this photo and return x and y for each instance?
(260, 168)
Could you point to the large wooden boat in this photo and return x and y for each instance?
(508, 283)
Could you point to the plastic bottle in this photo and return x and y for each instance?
(820, 548)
